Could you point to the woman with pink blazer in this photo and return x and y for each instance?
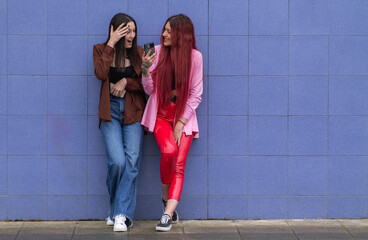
(173, 79)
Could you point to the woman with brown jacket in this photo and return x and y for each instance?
(117, 64)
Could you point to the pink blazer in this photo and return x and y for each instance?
(195, 92)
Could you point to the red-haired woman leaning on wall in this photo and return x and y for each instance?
(173, 79)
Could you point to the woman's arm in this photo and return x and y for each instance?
(102, 59)
(148, 64)
(196, 88)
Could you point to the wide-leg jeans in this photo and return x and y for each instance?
(124, 145)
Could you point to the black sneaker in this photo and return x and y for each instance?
(175, 216)
(165, 224)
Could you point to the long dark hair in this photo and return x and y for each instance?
(120, 51)
(176, 59)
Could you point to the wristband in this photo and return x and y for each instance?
(182, 122)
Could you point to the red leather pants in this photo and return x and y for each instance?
(173, 158)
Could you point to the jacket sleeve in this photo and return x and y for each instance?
(102, 59)
(196, 88)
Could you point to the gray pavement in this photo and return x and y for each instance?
(335, 229)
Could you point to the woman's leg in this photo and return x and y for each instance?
(133, 144)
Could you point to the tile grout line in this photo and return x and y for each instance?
(328, 117)
(7, 111)
(288, 119)
(208, 102)
(47, 110)
(248, 119)
(87, 158)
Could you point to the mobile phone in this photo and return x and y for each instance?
(148, 46)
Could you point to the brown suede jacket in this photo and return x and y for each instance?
(135, 99)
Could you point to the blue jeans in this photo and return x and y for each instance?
(124, 153)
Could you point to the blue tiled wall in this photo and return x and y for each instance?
(283, 121)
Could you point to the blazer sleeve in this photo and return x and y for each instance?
(196, 87)
(134, 85)
(102, 59)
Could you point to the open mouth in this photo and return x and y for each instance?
(130, 42)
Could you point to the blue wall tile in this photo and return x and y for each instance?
(199, 145)
(150, 183)
(307, 135)
(67, 55)
(225, 169)
(27, 17)
(3, 16)
(195, 181)
(27, 207)
(100, 14)
(267, 175)
(268, 17)
(3, 175)
(268, 95)
(348, 95)
(144, 209)
(27, 95)
(224, 130)
(3, 54)
(348, 17)
(67, 17)
(3, 95)
(28, 132)
(267, 55)
(347, 55)
(223, 61)
(150, 146)
(267, 135)
(308, 95)
(97, 172)
(347, 207)
(64, 133)
(308, 55)
(27, 55)
(307, 207)
(308, 17)
(98, 207)
(67, 95)
(348, 135)
(307, 176)
(93, 95)
(139, 9)
(27, 175)
(192, 207)
(68, 208)
(225, 14)
(3, 135)
(95, 142)
(4, 208)
(267, 207)
(348, 175)
(67, 175)
(92, 40)
(219, 207)
(229, 95)
(196, 10)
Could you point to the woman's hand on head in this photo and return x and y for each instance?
(119, 87)
(148, 59)
(116, 35)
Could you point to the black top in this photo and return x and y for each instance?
(116, 76)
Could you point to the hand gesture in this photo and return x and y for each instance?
(148, 59)
(119, 87)
(119, 33)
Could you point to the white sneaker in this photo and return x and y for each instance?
(109, 222)
(119, 225)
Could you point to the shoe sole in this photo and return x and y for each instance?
(120, 230)
(163, 229)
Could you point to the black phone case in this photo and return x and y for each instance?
(148, 46)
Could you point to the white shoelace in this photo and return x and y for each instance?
(165, 218)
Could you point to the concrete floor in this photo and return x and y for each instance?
(207, 229)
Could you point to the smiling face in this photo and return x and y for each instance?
(166, 35)
(128, 41)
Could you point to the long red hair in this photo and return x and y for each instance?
(175, 60)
